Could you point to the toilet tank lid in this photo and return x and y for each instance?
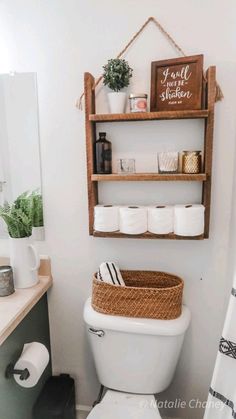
(137, 325)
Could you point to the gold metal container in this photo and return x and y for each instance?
(192, 162)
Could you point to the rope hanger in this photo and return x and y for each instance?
(219, 93)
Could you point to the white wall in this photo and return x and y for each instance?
(60, 39)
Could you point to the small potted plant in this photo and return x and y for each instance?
(116, 76)
(23, 255)
(37, 216)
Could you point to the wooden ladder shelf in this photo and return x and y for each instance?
(91, 118)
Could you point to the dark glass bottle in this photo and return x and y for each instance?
(103, 154)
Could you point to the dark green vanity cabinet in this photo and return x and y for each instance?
(16, 402)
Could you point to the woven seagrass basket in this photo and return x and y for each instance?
(147, 294)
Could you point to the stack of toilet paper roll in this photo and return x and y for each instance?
(133, 220)
(161, 219)
(182, 220)
(106, 218)
(189, 220)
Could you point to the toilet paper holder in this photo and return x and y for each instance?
(10, 371)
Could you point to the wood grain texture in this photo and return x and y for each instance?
(45, 266)
(90, 130)
(208, 146)
(146, 235)
(134, 177)
(176, 83)
(149, 116)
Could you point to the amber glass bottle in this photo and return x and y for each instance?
(103, 154)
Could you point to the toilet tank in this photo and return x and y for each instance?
(135, 355)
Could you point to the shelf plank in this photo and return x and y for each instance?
(201, 177)
(148, 116)
(147, 235)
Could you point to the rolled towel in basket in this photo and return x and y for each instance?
(110, 273)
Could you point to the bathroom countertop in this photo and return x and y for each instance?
(15, 307)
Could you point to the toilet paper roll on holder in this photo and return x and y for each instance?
(10, 371)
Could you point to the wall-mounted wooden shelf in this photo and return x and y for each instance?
(147, 235)
(91, 120)
(134, 177)
(149, 116)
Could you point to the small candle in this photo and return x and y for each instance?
(192, 162)
(6, 281)
(138, 102)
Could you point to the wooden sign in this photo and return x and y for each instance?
(177, 84)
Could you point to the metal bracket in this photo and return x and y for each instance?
(10, 371)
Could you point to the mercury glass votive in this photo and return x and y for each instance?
(192, 162)
(6, 281)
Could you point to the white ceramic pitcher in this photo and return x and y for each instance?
(25, 262)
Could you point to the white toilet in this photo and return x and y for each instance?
(134, 359)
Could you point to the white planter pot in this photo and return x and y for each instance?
(25, 262)
(117, 102)
(38, 234)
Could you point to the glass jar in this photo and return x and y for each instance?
(168, 162)
(138, 102)
(192, 162)
(126, 165)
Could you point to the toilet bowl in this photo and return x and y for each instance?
(134, 358)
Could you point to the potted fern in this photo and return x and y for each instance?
(37, 216)
(116, 76)
(23, 255)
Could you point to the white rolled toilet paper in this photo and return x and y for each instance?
(106, 218)
(189, 220)
(133, 220)
(34, 357)
(161, 219)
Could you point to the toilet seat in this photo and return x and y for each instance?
(118, 405)
(110, 411)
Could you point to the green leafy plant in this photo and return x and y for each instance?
(117, 74)
(37, 210)
(18, 216)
